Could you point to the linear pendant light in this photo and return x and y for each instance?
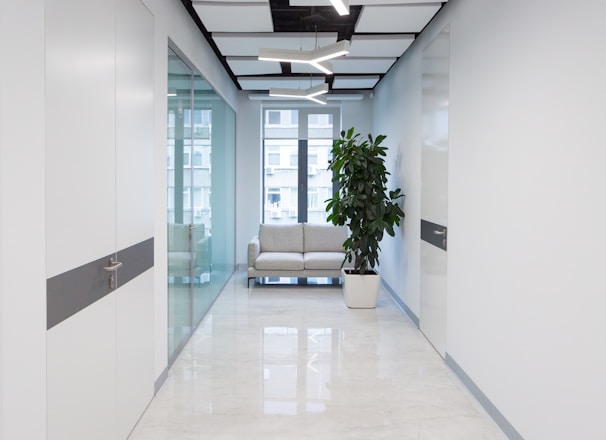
(316, 57)
(312, 93)
(342, 6)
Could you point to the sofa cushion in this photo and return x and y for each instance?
(324, 237)
(324, 260)
(281, 238)
(279, 261)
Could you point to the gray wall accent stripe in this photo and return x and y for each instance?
(492, 410)
(401, 304)
(435, 234)
(135, 260)
(76, 289)
(160, 381)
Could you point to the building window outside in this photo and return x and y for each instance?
(273, 197)
(273, 159)
(273, 117)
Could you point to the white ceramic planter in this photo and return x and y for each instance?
(360, 291)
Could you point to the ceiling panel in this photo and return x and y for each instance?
(350, 65)
(379, 32)
(392, 45)
(248, 44)
(355, 82)
(252, 66)
(396, 18)
(289, 82)
(356, 2)
(230, 16)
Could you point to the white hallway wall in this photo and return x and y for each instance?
(526, 294)
(22, 232)
(22, 211)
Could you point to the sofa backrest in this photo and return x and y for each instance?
(320, 237)
(281, 238)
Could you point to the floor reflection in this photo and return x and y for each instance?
(297, 368)
(293, 362)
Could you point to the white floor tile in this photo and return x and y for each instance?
(275, 362)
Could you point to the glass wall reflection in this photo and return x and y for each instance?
(200, 199)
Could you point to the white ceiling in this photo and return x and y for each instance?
(379, 31)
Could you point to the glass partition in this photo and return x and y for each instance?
(201, 199)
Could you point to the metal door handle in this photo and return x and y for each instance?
(113, 265)
(440, 232)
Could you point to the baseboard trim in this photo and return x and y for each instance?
(160, 380)
(401, 304)
(488, 406)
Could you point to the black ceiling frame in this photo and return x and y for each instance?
(299, 19)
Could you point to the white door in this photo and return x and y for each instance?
(434, 192)
(99, 175)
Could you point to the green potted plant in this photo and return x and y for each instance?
(363, 203)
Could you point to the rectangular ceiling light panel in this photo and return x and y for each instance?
(351, 65)
(396, 18)
(252, 66)
(266, 83)
(355, 82)
(235, 16)
(248, 44)
(308, 3)
(392, 45)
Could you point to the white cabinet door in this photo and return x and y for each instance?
(99, 181)
(81, 218)
(135, 219)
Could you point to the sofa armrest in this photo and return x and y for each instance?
(254, 249)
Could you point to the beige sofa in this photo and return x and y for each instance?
(297, 250)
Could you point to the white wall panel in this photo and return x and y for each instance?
(397, 114)
(135, 351)
(248, 175)
(22, 232)
(526, 177)
(134, 122)
(82, 374)
(80, 133)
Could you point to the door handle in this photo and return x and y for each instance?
(112, 268)
(440, 232)
(113, 265)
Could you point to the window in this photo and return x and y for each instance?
(273, 197)
(273, 159)
(273, 117)
(312, 198)
(299, 141)
(197, 158)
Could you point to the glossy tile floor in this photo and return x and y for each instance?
(286, 362)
